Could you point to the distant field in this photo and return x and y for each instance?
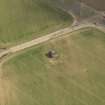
(76, 77)
(22, 20)
(98, 4)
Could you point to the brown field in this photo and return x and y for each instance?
(98, 4)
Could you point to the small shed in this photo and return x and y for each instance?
(52, 54)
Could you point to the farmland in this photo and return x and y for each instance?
(22, 20)
(75, 77)
(98, 4)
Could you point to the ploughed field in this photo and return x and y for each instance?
(22, 20)
(76, 76)
(98, 4)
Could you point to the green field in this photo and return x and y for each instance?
(75, 77)
(22, 20)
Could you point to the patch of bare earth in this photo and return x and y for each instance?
(7, 90)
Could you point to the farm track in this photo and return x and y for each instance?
(48, 37)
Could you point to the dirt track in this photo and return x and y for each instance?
(49, 37)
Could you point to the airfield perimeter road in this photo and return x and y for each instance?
(50, 36)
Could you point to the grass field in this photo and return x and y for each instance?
(22, 20)
(75, 77)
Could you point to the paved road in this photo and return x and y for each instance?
(49, 37)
